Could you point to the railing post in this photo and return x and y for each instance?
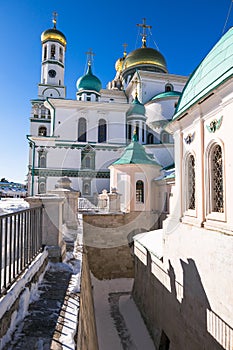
(52, 224)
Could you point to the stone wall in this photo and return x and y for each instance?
(108, 238)
(87, 336)
(14, 305)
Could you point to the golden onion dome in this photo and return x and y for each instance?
(54, 35)
(119, 64)
(120, 61)
(143, 57)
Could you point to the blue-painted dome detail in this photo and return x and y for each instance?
(215, 69)
(88, 82)
(136, 108)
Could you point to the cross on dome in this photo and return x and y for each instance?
(125, 46)
(144, 27)
(90, 54)
(55, 14)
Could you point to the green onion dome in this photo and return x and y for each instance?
(89, 82)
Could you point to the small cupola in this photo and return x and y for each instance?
(88, 86)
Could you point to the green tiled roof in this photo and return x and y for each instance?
(215, 68)
(166, 94)
(135, 154)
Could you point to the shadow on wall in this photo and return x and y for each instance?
(178, 316)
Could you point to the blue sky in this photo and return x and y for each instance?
(184, 31)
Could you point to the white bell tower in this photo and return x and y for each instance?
(53, 63)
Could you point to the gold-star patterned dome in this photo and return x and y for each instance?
(53, 34)
(145, 57)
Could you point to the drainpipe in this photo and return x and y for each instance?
(33, 163)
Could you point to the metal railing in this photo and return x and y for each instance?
(20, 243)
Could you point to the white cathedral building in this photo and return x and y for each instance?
(80, 138)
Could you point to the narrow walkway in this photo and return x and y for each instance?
(52, 318)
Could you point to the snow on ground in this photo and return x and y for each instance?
(118, 321)
(10, 205)
(152, 241)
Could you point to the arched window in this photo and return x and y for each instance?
(88, 162)
(150, 139)
(43, 112)
(164, 137)
(42, 131)
(216, 179)
(53, 51)
(45, 52)
(82, 130)
(102, 131)
(42, 158)
(35, 111)
(169, 87)
(60, 54)
(190, 198)
(86, 188)
(42, 186)
(140, 191)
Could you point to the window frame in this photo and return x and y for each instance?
(102, 129)
(82, 136)
(186, 185)
(210, 213)
(140, 192)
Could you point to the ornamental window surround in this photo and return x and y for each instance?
(42, 158)
(42, 185)
(88, 158)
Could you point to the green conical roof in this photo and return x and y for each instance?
(89, 81)
(135, 153)
(136, 108)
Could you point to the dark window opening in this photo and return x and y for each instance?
(82, 130)
(42, 131)
(53, 51)
(150, 139)
(140, 191)
(102, 131)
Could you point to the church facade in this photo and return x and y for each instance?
(183, 284)
(80, 138)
